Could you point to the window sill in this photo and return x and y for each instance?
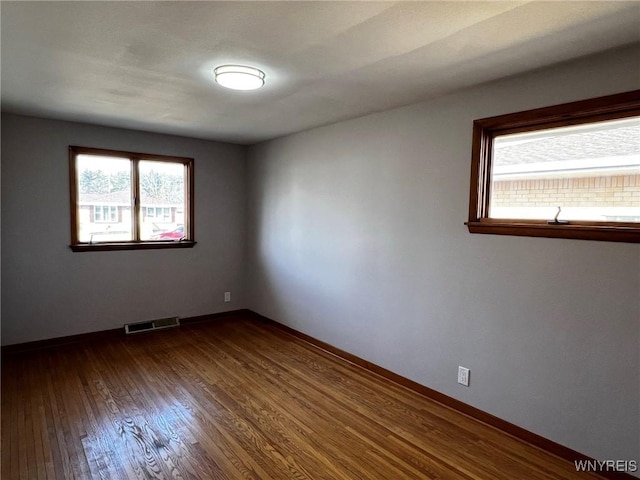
(103, 247)
(571, 231)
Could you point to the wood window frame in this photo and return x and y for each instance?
(611, 107)
(136, 244)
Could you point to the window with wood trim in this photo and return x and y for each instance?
(567, 171)
(126, 201)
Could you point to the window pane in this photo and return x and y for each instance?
(162, 189)
(591, 171)
(104, 199)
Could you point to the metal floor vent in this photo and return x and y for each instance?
(152, 325)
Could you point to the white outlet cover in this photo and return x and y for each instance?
(463, 376)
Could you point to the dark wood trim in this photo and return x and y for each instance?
(61, 341)
(106, 334)
(543, 443)
(575, 113)
(609, 107)
(242, 312)
(189, 215)
(136, 221)
(577, 232)
(151, 245)
(73, 197)
(128, 155)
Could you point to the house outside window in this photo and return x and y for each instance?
(161, 214)
(105, 213)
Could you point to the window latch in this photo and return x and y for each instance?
(555, 220)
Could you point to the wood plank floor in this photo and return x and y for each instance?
(237, 399)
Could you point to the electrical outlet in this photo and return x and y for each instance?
(463, 376)
(227, 296)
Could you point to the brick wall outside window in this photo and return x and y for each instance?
(603, 191)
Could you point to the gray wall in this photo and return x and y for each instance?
(357, 237)
(49, 291)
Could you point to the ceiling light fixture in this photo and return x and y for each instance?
(239, 77)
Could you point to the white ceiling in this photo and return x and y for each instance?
(148, 65)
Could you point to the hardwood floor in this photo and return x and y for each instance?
(237, 399)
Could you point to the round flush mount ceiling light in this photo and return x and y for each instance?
(239, 77)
